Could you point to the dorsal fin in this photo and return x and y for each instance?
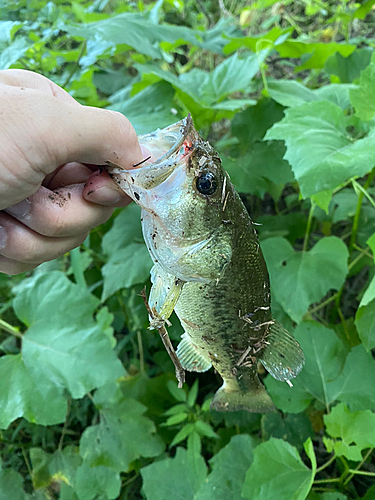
(283, 357)
(190, 358)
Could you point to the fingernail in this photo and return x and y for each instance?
(3, 238)
(146, 153)
(106, 195)
(21, 209)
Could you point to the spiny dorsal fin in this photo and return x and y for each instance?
(283, 357)
(191, 360)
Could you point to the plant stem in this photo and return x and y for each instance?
(75, 65)
(323, 304)
(308, 227)
(359, 465)
(61, 442)
(10, 329)
(358, 211)
(362, 472)
(141, 354)
(324, 466)
(331, 480)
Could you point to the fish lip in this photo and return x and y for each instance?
(186, 127)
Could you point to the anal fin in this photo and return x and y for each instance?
(283, 357)
(191, 360)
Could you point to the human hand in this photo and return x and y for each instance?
(50, 145)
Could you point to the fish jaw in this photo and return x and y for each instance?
(171, 146)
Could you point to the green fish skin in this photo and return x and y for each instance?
(209, 268)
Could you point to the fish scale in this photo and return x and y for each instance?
(209, 268)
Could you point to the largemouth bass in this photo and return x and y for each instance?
(208, 267)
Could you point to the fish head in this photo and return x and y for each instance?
(183, 191)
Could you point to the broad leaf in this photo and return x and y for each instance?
(292, 428)
(285, 477)
(356, 431)
(135, 31)
(291, 93)
(349, 68)
(319, 51)
(182, 475)
(23, 395)
(229, 468)
(150, 109)
(321, 127)
(63, 344)
(11, 485)
(98, 482)
(123, 434)
(299, 279)
(349, 387)
(325, 357)
(13, 52)
(129, 262)
(365, 317)
(363, 97)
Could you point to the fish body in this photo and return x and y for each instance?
(209, 268)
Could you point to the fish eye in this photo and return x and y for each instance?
(206, 183)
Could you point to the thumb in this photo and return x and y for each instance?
(93, 135)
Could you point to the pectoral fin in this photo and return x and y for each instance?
(164, 294)
(283, 357)
(191, 360)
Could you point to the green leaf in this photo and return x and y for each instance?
(291, 93)
(349, 387)
(193, 393)
(178, 394)
(299, 279)
(202, 92)
(135, 31)
(325, 357)
(91, 483)
(21, 395)
(63, 343)
(128, 262)
(319, 51)
(205, 429)
(123, 434)
(356, 431)
(251, 124)
(292, 428)
(321, 127)
(349, 68)
(150, 109)
(186, 431)
(11, 485)
(13, 52)
(285, 477)
(363, 97)
(253, 43)
(365, 317)
(183, 474)
(229, 467)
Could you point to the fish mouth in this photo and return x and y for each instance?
(171, 146)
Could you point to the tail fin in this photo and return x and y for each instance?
(254, 400)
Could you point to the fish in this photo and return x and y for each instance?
(208, 267)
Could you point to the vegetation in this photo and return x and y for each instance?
(89, 404)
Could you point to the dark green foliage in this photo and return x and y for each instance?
(89, 406)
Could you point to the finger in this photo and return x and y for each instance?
(68, 174)
(60, 213)
(24, 245)
(101, 189)
(12, 267)
(94, 135)
(30, 80)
